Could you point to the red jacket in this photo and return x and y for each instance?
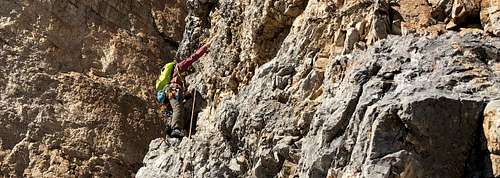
(186, 63)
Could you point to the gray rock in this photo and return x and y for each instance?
(277, 98)
(352, 36)
(404, 107)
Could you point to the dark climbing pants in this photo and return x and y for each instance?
(178, 113)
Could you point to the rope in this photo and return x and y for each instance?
(192, 113)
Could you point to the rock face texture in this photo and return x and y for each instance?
(490, 16)
(289, 88)
(72, 84)
(332, 89)
(408, 107)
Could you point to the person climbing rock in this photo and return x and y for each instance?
(171, 90)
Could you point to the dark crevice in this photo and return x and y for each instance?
(468, 21)
(402, 132)
(166, 39)
(478, 164)
(395, 16)
(481, 53)
(4, 42)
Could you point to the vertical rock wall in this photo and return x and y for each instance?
(307, 88)
(330, 89)
(76, 83)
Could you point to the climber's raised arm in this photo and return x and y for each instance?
(186, 63)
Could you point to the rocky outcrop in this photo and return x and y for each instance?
(72, 84)
(409, 106)
(399, 108)
(307, 88)
(490, 16)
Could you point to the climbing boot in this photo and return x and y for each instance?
(177, 133)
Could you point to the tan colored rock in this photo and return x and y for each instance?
(339, 37)
(321, 62)
(380, 22)
(491, 128)
(361, 27)
(76, 88)
(490, 16)
(169, 18)
(423, 17)
(339, 3)
(495, 164)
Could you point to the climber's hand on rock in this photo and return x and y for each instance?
(206, 45)
(209, 42)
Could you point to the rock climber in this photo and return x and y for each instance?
(172, 92)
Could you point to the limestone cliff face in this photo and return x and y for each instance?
(338, 89)
(75, 81)
(290, 88)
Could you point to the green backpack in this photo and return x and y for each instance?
(165, 76)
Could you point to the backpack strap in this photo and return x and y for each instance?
(179, 73)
